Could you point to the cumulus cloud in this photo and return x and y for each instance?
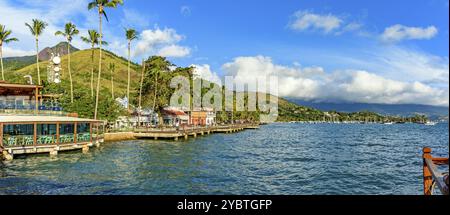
(398, 32)
(399, 63)
(174, 51)
(306, 20)
(350, 86)
(293, 82)
(12, 52)
(161, 41)
(204, 72)
(14, 17)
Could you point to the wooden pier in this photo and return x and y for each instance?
(185, 133)
(432, 177)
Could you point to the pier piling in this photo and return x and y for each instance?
(53, 153)
(6, 156)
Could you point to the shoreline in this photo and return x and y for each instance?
(155, 134)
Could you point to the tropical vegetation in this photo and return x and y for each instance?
(37, 28)
(5, 38)
(93, 40)
(70, 30)
(101, 5)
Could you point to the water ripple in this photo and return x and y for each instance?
(276, 159)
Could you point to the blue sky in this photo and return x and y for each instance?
(370, 51)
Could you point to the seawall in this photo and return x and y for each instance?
(119, 136)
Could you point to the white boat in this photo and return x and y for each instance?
(429, 123)
(388, 123)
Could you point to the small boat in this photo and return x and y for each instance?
(430, 123)
(388, 123)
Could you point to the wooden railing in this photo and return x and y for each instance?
(431, 175)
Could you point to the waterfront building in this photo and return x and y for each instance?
(202, 117)
(174, 117)
(28, 124)
(139, 118)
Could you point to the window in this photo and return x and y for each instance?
(83, 128)
(66, 129)
(46, 129)
(18, 135)
(18, 130)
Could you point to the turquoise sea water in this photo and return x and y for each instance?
(276, 159)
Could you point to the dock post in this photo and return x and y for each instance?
(176, 138)
(97, 143)
(195, 135)
(156, 138)
(6, 156)
(53, 152)
(186, 137)
(427, 177)
(85, 149)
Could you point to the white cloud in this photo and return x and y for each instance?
(397, 33)
(174, 51)
(305, 20)
(162, 42)
(11, 52)
(399, 63)
(204, 72)
(292, 81)
(348, 85)
(15, 17)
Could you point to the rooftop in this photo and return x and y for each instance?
(30, 119)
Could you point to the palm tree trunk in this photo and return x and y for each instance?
(70, 72)
(156, 89)
(142, 83)
(1, 62)
(140, 92)
(99, 65)
(92, 72)
(37, 61)
(128, 86)
(112, 84)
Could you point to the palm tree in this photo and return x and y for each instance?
(131, 35)
(93, 40)
(37, 28)
(140, 93)
(4, 39)
(70, 30)
(112, 68)
(142, 82)
(101, 5)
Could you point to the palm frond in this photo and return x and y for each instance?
(131, 34)
(30, 27)
(113, 3)
(106, 17)
(92, 5)
(10, 40)
(85, 39)
(60, 33)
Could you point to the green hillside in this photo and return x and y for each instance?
(81, 72)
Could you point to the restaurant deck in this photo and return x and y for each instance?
(29, 134)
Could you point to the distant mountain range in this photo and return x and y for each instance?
(14, 63)
(434, 112)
